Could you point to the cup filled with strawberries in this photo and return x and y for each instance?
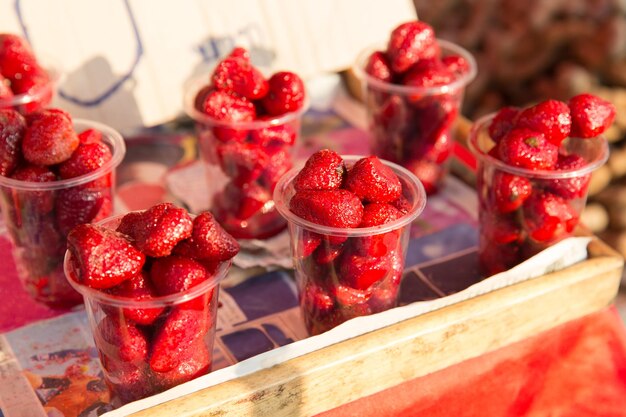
(247, 127)
(534, 169)
(413, 89)
(25, 84)
(349, 222)
(150, 281)
(55, 173)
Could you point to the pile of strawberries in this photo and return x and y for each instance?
(342, 277)
(21, 74)
(43, 148)
(412, 128)
(522, 214)
(157, 252)
(252, 156)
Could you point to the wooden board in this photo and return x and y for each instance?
(327, 378)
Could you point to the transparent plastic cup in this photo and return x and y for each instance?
(328, 260)
(512, 230)
(39, 215)
(411, 126)
(127, 332)
(37, 97)
(244, 161)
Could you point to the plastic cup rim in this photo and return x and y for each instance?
(194, 85)
(154, 302)
(540, 174)
(361, 60)
(283, 206)
(110, 135)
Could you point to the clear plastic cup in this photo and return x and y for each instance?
(411, 126)
(38, 97)
(514, 228)
(39, 215)
(147, 346)
(342, 273)
(244, 161)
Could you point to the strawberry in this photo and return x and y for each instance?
(376, 214)
(278, 164)
(122, 340)
(378, 66)
(90, 136)
(286, 94)
(335, 208)
(40, 202)
(173, 274)
(327, 253)
(548, 217)
(402, 204)
(509, 191)
(574, 187)
(429, 73)
(409, 43)
(372, 181)
(196, 362)
(349, 298)
(237, 75)
(243, 162)
(324, 170)
(239, 52)
(308, 242)
(78, 205)
(282, 134)
(49, 138)
(528, 149)
(37, 83)
(503, 122)
(361, 272)
(456, 64)
(87, 158)
(550, 117)
(437, 151)
(242, 202)
(138, 288)
(12, 127)
(208, 241)
(157, 230)
(16, 57)
(316, 300)
(591, 115)
(428, 172)
(501, 229)
(229, 108)
(126, 380)
(6, 94)
(102, 258)
(181, 328)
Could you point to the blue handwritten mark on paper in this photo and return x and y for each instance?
(250, 36)
(121, 78)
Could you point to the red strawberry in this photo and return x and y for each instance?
(324, 170)
(87, 158)
(239, 52)
(308, 242)
(181, 328)
(402, 204)
(138, 288)
(282, 134)
(574, 187)
(528, 149)
(6, 94)
(548, 217)
(243, 202)
(78, 205)
(40, 202)
(90, 136)
(503, 122)
(501, 229)
(427, 74)
(196, 362)
(227, 107)
(373, 182)
(243, 162)
(208, 241)
(286, 94)
(409, 43)
(327, 253)
(278, 164)
(237, 75)
(378, 67)
(351, 301)
(16, 57)
(509, 191)
(316, 300)
(428, 172)
(103, 258)
(437, 151)
(123, 340)
(591, 115)
(376, 214)
(127, 381)
(49, 138)
(37, 84)
(336, 208)
(12, 127)
(550, 117)
(158, 229)
(173, 274)
(456, 64)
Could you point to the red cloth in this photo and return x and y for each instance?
(574, 370)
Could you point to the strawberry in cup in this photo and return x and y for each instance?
(55, 173)
(247, 127)
(150, 281)
(534, 169)
(349, 221)
(413, 89)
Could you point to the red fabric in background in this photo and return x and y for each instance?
(574, 370)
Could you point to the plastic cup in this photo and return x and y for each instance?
(38, 97)
(244, 161)
(512, 232)
(328, 260)
(411, 126)
(126, 332)
(38, 217)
